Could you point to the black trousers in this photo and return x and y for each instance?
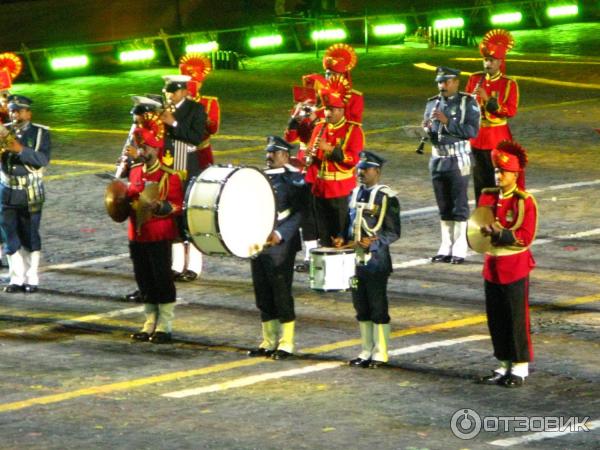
(273, 287)
(369, 296)
(309, 221)
(483, 172)
(507, 308)
(332, 218)
(19, 227)
(152, 270)
(450, 189)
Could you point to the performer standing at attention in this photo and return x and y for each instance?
(374, 225)
(507, 265)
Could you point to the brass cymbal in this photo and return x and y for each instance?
(482, 216)
(149, 195)
(116, 201)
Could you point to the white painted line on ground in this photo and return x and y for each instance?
(86, 262)
(509, 442)
(436, 344)
(254, 379)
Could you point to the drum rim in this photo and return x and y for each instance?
(341, 251)
(193, 180)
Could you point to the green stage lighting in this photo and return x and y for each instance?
(137, 55)
(331, 34)
(506, 18)
(562, 11)
(69, 62)
(202, 47)
(391, 29)
(453, 22)
(274, 40)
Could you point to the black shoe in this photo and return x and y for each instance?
(135, 296)
(30, 288)
(441, 258)
(281, 354)
(359, 362)
(186, 276)
(160, 337)
(13, 288)
(457, 260)
(494, 378)
(513, 381)
(304, 267)
(374, 364)
(140, 336)
(256, 352)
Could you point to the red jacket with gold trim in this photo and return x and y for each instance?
(213, 121)
(503, 104)
(516, 214)
(336, 170)
(161, 226)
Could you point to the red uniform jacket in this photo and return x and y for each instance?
(336, 170)
(494, 125)
(301, 136)
(510, 259)
(157, 228)
(213, 114)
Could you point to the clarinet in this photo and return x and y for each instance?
(424, 139)
(308, 159)
(123, 159)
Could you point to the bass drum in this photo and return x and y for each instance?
(230, 211)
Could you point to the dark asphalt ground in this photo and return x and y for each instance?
(72, 379)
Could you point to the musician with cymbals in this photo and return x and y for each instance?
(508, 262)
(156, 195)
(273, 268)
(374, 224)
(24, 153)
(498, 98)
(185, 122)
(451, 118)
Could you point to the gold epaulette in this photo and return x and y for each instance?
(490, 190)
(209, 97)
(522, 194)
(180, 173)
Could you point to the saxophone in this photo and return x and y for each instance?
(7, 138)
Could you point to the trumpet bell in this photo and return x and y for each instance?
(481, 217)
(116, 201)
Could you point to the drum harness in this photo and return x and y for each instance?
(361, 225)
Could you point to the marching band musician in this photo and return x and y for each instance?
(299, 131)
(150, 239)
(374, 225)
(498, 98)
(507, 265)
(334, 150)
(185, 129)
(22, 194)
(450, 119)
(198, 67)
(273, 269)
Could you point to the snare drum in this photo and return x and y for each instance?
(331, 269)
(230, 211)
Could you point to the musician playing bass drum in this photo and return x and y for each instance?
(374, 225)
(273, 269)
(451, 118)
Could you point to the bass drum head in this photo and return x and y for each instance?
(246, 212)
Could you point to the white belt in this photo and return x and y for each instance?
(284, 214)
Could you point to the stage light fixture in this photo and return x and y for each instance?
(562, 11)
(202, 47)
(329, 34)
(69, 62)
(391, 29)
(506, 18)
(452, 22)
(273, 40)
(138, 55)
